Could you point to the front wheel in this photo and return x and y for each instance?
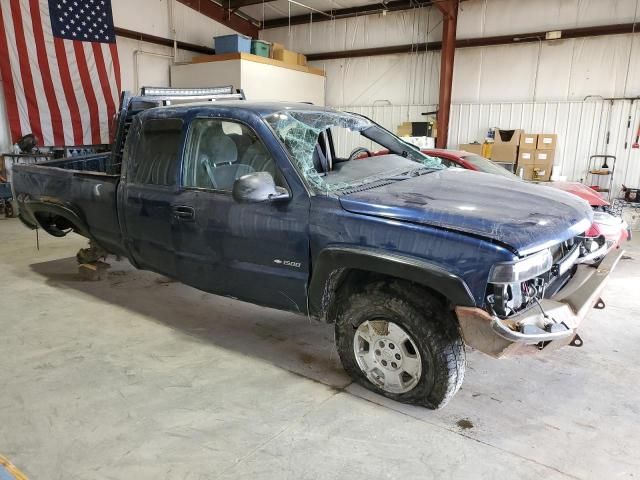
(401, 342)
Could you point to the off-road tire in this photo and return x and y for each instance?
(425, 318)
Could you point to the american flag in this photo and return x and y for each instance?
(60, 69)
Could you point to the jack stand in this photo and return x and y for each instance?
(92, 254)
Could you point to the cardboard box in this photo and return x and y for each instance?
(471, 148)
(541, 173)
(529, 140)
(405, 129)
(510, 137)
(547, 141)
(526, 155)
(535, 165)
(533, 172)
(544, 156)
(504, 152)
(275, 46)
(286, 56)
(416, 129)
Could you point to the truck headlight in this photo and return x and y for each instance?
(521, 270)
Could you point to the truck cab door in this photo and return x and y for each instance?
(257, 252)
(147, 192)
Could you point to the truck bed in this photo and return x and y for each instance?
(94, 163)
(71, 194)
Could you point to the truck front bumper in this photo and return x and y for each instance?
(549, 325)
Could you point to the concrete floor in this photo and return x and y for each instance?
(140, 377)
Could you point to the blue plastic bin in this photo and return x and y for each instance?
(232, 44)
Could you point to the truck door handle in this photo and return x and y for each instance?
(183, 212)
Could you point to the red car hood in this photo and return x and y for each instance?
(580, 190)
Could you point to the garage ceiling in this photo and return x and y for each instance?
(277, 12)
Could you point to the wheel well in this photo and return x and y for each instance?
(353, 280)
(53, 224)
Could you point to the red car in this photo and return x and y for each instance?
(614, 229)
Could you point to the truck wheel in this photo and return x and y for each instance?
(401, 342)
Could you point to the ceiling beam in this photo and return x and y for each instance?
(616, 29)
(235, 4)
(223, 15)
(372, 9)
(166, 42)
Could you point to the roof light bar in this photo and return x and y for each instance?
(186, 92)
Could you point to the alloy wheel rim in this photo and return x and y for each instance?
(387, 355)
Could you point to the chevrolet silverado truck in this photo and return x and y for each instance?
(284, 205)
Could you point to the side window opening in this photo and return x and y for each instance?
(157, 152)
(219, 152)
(345, 141)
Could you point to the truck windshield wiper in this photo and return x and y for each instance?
(416, 172)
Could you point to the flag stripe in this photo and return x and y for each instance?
(40, 99)
(7, 83)
(21, 101)
(116, 65)
(78, 91)
(87, 88)
(43, 63)
(92, 69)
(69, 93)
(104, 83)
(56, 78)
(107, 53)
(25, 71)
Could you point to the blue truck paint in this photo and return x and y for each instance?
(265, 253)
(525, 217)
(467, 257)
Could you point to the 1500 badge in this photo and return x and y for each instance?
(288, 263)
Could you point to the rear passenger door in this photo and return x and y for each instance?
(148, 190)
(258, 252)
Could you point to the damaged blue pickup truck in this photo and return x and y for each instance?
(284, 205)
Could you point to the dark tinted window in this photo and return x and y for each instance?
(156, 159)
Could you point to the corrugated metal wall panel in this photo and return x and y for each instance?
(581, 127)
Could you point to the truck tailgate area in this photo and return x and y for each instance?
(57, 198)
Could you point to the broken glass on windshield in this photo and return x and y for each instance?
(337, 150)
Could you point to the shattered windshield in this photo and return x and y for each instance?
(337, 150)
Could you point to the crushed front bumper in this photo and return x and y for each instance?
(549, 325)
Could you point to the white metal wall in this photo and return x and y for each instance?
(581, 127)
(559, 70)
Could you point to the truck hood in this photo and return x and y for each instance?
(525, 217)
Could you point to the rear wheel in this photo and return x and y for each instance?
(401, 342)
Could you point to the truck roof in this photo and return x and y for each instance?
(262, 109)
